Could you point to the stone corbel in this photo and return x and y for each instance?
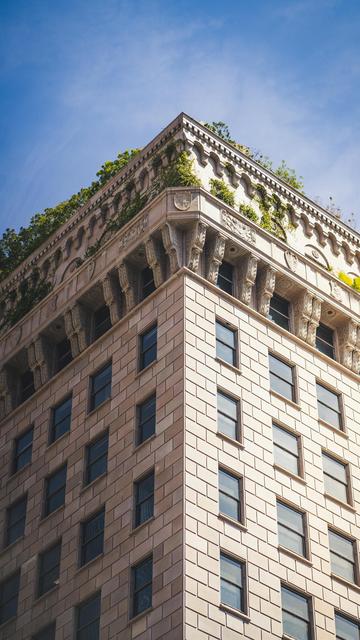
(265, 289)
(307, 310)
(127, 285)
(39, 359)
(347, 340)
(112, 297)
(247, 277)
(314, 321)
(216, 256)
(356, 353)
(196, 245)
(154, 261)
(172, 244)
(77, 327)
(7, 392)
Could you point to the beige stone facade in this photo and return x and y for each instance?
(180, 240)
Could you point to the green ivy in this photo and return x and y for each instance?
(31, 291)
(354, 283)
(248, 212)
(179, 173)
(219, 189)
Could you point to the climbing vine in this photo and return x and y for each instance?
(248, 212)
(31, 291)
(351, 282)
(219, 189)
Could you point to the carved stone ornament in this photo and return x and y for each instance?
(238, 227)
(39, 359)
(77, 328)
(291, 260)
(307, 310)
(111, 297)
(347, 339)
(53, 303)
(14, 338)
(182, 200)
(90, 269)
(172, 245)
(247, 276)
(265, 289)
(135, 231)
(335, 290)
(196, 245)
(127, 285)
(216, 255)
(7, 392)
(154, 260)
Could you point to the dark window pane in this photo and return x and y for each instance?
(96, 458)
(291, 529)
(88, 619)
(231, 582)
(342, 556)
(327, 397)
(147, 282)
(146, 419)
(144, 499)
(61, 419)
(63, 354)
(142, 586)
(100, 386)
(346, 629)
(225, 277)
(281, 377)
(9, 593)
(48, 633)
(286, 452)
(49, 569)
(295, 612)
(148, 347)
(335, 478)
(92, 537)
(329, 406)
(325, 340)
(227, 414)
(229, 495)
(279, 311)
(16, 517)
(55, 490)
(23, 450)
(102, 321)
(225, 343)
(27, 385)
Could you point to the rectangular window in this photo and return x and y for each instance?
(146, 419)
(61, 419)
(142, 586)
(147, 282)
(148, 347)
(27, 385)
(232, 581)
(296, 614)
(63, 354)
(23, 450)
(335, 478)
(281, 377)
(100, 386)
(49, 569)
(342, 556)
(88, 619)
(225, 343)
(9, 594)
(96, 458)
(55, 486)
(291, 528)
(144, 499)
(102, 321)
(329, 406)
(15, 520)
(346, 629)
(226, 277)
(92, 537)
(279, 311)
(325, 340)
(47, 633)
(286, 449)
(228, 415)
(230, 491)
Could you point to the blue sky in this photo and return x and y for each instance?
(81, 80)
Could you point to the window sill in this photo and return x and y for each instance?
(91, 484)
(49, 515)
(236, 443)
(295, 556)
(44, 595)
(54, 442)
(341, 503)
(3, 624)
(98, 407)
(346, 583)
(15, 474)
(11, 545)
(141, 371)
(140, 615)
(232, 367)
(290, 474)
(89, 563)
(143, 443)
(335, 429)
(234, 612)
(235, 523)
(134, 530)
(285, 399)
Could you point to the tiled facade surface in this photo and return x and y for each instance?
(123, 547)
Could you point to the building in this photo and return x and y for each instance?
(180, 413)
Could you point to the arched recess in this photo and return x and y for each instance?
(317, 256)
(200, 153)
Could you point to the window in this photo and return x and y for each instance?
(55, 486)
(102, 321)
(296, 614)
(335, 478)
(291, 528)
(142, 586)
(342, 556)
(146, 417)
(23, 450)
(279, 311)
(148, 347)
(9, 594)
(286, 449)
(346, 629)
(226, 277)
(325, 340)
(225, 343)
(100, 386)
(88, 619)
(49, 569)
(61, 419)
(144, 499)
(92, 537)
(63, 354)
(281, 377)
(15, 520)
(232, 581)
(329, 406)
(48, 633)
(228, 415)
(96, 458)
(147, 282)
(27, 385)
(230, 491)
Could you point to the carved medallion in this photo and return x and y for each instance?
(182, 200)
(291, 260)
(238, 227)
(315, 254)
(52, 304)
(91, 269)
(335, 290)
